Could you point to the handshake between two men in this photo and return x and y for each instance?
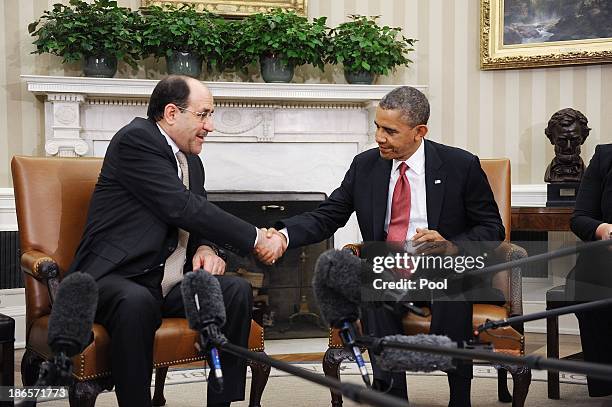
(271, 245)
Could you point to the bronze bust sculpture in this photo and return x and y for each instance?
(567, 130)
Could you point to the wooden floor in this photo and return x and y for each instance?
(534, 344)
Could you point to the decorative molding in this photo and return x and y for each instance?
(65, 97)
(116, 102)
(243, 91)
(66, 147)
(65, 139)
(8, 217)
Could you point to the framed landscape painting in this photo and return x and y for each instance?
(535, 33)
(236, 8)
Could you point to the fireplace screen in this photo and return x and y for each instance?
(284, 301)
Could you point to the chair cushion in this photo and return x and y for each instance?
(174, 344)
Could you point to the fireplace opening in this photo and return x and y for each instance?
(284, 302)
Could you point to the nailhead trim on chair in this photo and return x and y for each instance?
(39, 261)
(82, 376)
(178, 362)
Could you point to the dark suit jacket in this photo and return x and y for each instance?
(594, 200)
(592, 276)
(460, 203)
(139, 203)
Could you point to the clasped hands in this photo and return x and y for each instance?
(271, 244)
(430, 242)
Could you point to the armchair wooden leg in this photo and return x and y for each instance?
(259, 378)
(521, 379)
(331, 367)
(503, 394)
(30, 366)
(160, 379)
(84, 394)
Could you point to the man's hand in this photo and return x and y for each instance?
(430, 242)
(603, 231)
(271, 245)
(206, 258)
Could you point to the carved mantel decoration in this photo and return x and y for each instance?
(236, 8)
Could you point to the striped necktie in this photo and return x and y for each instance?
(173, 269)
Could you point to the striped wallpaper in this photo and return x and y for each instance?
(491, 113)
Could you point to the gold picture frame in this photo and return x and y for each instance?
(498, 52)
(236, 8)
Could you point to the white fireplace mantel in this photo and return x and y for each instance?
(82, 114)
(245, 91)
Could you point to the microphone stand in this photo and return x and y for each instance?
(567, 251)
(597, 370)
(570, 309)
(348, 335)
(56, 371)
(210, 337)
(351, 391)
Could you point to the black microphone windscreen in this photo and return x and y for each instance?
(401, 360)
(72, 314)
(203, 300)
(336, 285)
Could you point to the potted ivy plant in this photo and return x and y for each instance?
(279, 40)
(97, 33)
(184, 36)
(367, 49)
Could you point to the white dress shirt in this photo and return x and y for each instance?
(174, 148)
(418, 192)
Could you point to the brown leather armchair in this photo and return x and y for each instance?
(52, 197)
(508, 339)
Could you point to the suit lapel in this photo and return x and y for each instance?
(379, 180)
(435, 184)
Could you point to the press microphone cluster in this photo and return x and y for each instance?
(205, 310)
(337, 302)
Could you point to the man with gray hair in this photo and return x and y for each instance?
(410, 189)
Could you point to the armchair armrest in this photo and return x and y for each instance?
(509, 252)
(39, 265)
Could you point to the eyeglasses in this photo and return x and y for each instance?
(202, 116)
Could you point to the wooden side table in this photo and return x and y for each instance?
(553, 219)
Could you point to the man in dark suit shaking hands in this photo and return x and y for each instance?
(412, 189)
(148, 221)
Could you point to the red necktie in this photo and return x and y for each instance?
(400, 208)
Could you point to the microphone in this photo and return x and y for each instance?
(70, 324)
(336, 285)
(205, 312)
(401, 360)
